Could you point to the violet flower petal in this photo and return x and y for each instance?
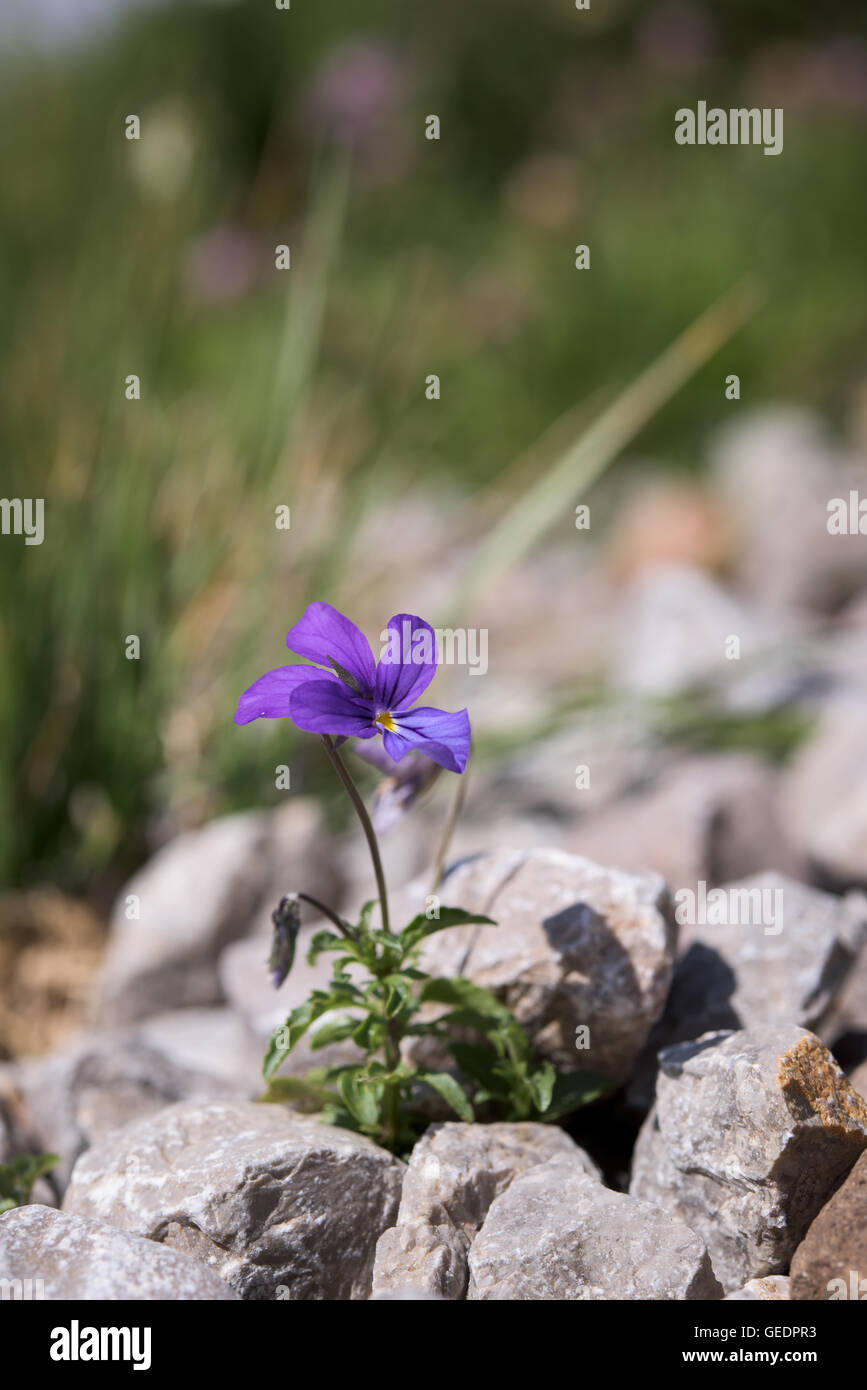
(268, 697)
(400, 682)
(322, 633)
(441, 736)
(328, 707)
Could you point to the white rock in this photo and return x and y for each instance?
(751, 1133)
(58, 1257)
(557, 1233)
(575, 944)
(270, 1202)
(455, 1172)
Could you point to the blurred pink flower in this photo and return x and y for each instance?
(357, 99)
(222, 264)
(677, 37)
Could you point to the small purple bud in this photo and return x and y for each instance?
(287, 921)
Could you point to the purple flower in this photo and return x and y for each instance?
(349, 695)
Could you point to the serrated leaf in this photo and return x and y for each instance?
(451, 1091)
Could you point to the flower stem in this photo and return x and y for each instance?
(455, 807)
(361, 811)
(327, 912)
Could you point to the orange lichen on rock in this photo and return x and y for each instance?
(808, 1076)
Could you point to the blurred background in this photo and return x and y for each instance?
(305, 388)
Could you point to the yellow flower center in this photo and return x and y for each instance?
(385, 719)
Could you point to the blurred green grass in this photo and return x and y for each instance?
(159, 513)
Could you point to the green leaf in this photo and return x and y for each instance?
(292, 1088)
(479, 1063)
(463, 994)
(17, 1178)
(541, 1083)
(369, 1033)
(399, 994)
(334, 1031)
(572, 1089)
(422, 926)
(327, 941)
(360, 1100)
(450, 1090)
(284, 1038)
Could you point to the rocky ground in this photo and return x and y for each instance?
(730, 1161)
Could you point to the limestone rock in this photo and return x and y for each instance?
(672, 633)
(454, 1173)
(773, 1289)
(557, 1233)
(713, 817)
(58, 1257)
(825, 801)
(751, 1133)
(265, 1199)
(76, 1097)
(204, 889)
(777, 470)
(575, 944)
(784, 958)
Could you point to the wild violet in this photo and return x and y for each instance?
(378, 992)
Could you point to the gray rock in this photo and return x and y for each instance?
(858, 1080)
(786, 965)
(454, 1173)
(575, 944)
(714, 817)
(751, 1133)
(199, 892)
(261, 1008)
(848, 1013)
(60, 1257)
(773, 1289)
(409, 1295)
(824, 803)
(672, 633)
(557, 1233)
(77, 1097)
(267, 1200)
(429, 1259)
(208, 1042)
(777, 470)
